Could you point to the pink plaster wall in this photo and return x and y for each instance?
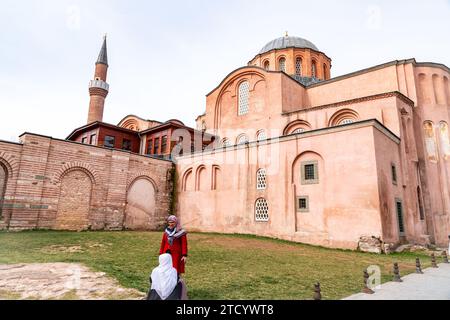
(343, 206)
(401, 95)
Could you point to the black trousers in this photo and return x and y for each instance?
(175, 295)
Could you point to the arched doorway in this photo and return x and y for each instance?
(74, 201)
(141, 205)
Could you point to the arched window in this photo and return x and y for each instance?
(445, 142)
(282, 64)
(3, 181)
(343, 116)
(244, 89)
(261, 179)
(261, 210)
(298, 66)
(325, 72)
(430, 140)
(225, 142)
(242, 139)
(261, 135)
(296, 126)
(346, 121)
(313, 69)
(299, 130)
(266, 65)
(203, 126)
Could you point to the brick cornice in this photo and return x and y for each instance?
(98, 92)
(396, 94)
(327, 130)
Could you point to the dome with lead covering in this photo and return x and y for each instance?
(288, 42)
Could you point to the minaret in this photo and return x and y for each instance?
(98, 88)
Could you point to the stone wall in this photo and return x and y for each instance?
(57, 184)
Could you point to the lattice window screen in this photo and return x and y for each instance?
(244, 98)
(261, 210)
(261, 179)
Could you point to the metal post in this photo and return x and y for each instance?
(366, 289)
(397, 277)
(445, 256)
(317, 292)
(418, 266)
(433, 261)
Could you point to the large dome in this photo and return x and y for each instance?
(288, 42)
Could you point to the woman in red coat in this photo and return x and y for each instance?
(175, 241)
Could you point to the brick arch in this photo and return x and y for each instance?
(68, 167)
(342, 114)
(74, 201)
(228, 85)
(296, 124)
(10, 163)
(141, 175)
(131, 124)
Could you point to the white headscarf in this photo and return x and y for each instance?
(164, 277)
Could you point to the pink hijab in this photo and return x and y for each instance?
(177, 232)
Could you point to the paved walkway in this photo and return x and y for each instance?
(434, 284)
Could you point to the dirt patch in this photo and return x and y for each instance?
(242, 243)
(64, 281)
(96, 245)
(56, 249)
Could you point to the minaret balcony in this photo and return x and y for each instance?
(100, 84)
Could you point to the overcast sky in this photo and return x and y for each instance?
(165, 56)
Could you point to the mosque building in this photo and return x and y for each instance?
(282, 150)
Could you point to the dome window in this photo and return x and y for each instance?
(298, 66)
(282, 64)
(314, 70)
(266, 65)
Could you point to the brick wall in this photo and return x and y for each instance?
(56, 184)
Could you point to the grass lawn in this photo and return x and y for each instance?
(219, 266)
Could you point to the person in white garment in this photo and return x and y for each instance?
(166, 284)
(164, 280)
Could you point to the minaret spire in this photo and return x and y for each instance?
(103, 56)
(99, 88)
